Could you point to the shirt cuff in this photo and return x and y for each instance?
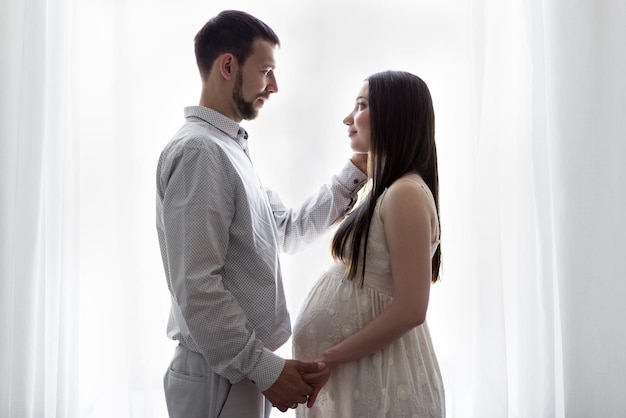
(353, 179)
(267, 370)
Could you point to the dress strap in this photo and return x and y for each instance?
(414, 181)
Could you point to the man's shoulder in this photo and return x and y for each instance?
(199, 135)
(190, 147)
(193, 136)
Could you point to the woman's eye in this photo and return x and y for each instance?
(360, 105)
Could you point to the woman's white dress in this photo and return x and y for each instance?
(401, 380)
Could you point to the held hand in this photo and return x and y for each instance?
(290, 389)
(360, 161)
(317, 380)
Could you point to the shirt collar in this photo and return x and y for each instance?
(221, 122)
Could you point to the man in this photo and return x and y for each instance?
(220, 234)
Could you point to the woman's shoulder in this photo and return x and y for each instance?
(408, 185)
(408, 192)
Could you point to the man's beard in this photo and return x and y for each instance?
(246, 109)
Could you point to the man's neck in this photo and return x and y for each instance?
(218, 100)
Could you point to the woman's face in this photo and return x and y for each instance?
(358, 122)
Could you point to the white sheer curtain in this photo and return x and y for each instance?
(587, 56)
(38, 208)
(505, 351)
(529, 97)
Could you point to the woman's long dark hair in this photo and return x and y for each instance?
(402, 123)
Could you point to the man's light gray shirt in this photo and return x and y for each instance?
(220, 233)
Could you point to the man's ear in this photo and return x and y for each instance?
(227, 65)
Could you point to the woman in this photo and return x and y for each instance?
(365, 317)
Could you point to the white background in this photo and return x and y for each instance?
(529, 99)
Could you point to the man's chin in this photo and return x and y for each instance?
(254, 111)
(248, 112)
(251, 115)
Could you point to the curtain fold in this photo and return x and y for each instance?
(515, 363)
(38, 209)
(587, 60)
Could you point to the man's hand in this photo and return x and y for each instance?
(290, 389)
(317, 380)
(360, 161)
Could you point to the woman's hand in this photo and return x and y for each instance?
(317, 380)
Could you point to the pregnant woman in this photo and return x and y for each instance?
(365, 316)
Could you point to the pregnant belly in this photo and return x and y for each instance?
(333, 310)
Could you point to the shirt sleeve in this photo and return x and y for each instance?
(198, 208)
(321, 210)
